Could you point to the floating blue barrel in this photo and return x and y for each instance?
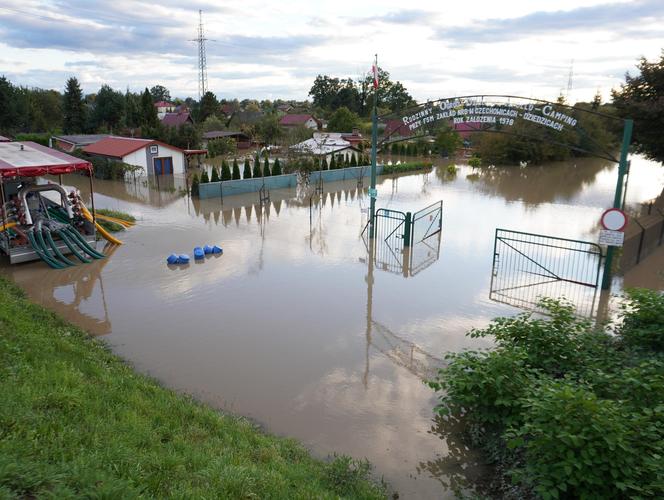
(198, 253)
(216, 249)
(207, 249)
(173, 259)
(183, 259)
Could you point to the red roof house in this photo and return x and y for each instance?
(154, 157)
(297, 120)
(177, 119)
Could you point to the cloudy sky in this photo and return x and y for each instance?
(274, 49)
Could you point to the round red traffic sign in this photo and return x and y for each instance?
(614, 219)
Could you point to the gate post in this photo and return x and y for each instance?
(407, 232)
(617, 200)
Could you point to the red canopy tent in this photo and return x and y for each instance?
(29, 159)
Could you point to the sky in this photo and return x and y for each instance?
(275, 49)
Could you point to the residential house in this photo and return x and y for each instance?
(69, 143)
(154, 157)
(177, 119)
(164, 107)
(327, 144)
(298, 120)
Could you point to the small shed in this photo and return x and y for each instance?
(297, 120)
(154, 157)
(70, 143)
(327, 144)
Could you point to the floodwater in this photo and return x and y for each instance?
(297, 328)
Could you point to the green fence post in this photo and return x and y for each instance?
(407, 233)
(617, 200)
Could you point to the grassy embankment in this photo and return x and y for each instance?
(407, 167)
(111, 226)
(76, 421)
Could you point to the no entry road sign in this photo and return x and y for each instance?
(614, 219)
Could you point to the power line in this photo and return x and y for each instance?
(202, 59)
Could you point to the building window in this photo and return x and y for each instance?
(154, 149)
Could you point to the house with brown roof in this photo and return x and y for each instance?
(177, 119)
(154, 157)
(298, 120)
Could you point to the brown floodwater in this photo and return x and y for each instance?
(296, 328)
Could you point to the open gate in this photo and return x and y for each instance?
(427, 222)
(528, 266)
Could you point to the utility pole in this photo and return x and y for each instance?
(374, 141)
(202, 60)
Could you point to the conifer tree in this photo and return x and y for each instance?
(247, 169)
(266, 167)
(204, 177)
(194, 185)
(73, 110)
(353, 160)
(225, 171)
(333, 163)
(276, 168)
(257, 168)
(236, 170)
(215, 175)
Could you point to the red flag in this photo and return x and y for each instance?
(374, 69)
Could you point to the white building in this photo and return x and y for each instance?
(327, 144)
(164, 107)
(154, 157)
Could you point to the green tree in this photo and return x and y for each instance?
(132, 110)
(266, 167)
(208, 107)
(343, 120)
(211, 123)
(225, 171)
(333, 162)
(353, 160)
(641, 98)
(324, 91)
(160, 93)
(109, 108)
(236, 170)
(215, 175)
(148, 111)
(276, 168)
(268, 129)
(204, 177)
(257, 168)
(448, 141)
(246, 174)
(73, 109)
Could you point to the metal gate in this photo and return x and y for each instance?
(427, 222)
(528, 266)
(392, 230)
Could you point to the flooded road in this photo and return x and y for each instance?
(296, 327)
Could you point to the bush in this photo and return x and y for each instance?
(246, 174)
(475, 162)
(204, 177)
(194, 185)
(257, 168)
(581, 409)
(395, 149)
(236, 170)
(353, 161)
(221, 146)
(266, 167)
(225, 171)
(215, 175)
(407, 167)
(276, 168)
(333, 163)
(643, 317)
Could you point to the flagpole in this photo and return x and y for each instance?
(374, 140)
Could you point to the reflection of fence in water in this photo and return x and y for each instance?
(528, 267)
(404, 353)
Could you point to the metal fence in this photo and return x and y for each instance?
(643, 234)
(528, 267)
(427, 222)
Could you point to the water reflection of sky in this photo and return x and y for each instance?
(277, 328)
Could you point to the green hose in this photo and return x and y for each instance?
(42, 245)
(58, 215)
(72, 246)
(42, 256)
(84, 244)
(49, 239)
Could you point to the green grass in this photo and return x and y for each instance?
(76, 421)
(113, 227)
(116, 213)
(407, 167)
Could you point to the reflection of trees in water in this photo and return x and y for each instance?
(462, 470)
(536, 184)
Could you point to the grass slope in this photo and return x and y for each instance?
(76, 421)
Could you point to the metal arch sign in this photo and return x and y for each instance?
(502, 114)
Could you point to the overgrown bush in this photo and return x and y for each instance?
(581, 408)
(475, 162)
(221, 146)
